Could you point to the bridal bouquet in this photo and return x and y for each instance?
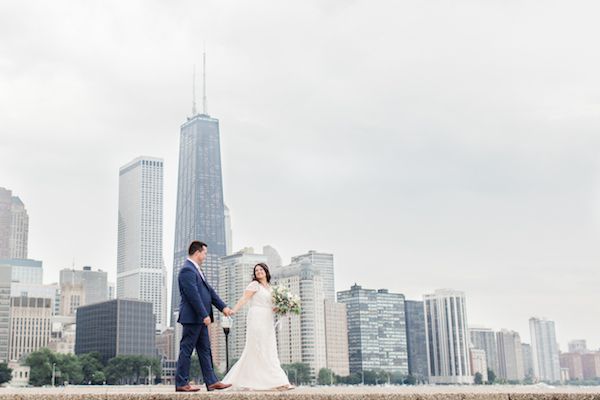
(284, 301)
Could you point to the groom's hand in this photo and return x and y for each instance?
(206, 321)
(228, 312)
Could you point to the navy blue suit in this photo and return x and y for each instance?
(197, 299)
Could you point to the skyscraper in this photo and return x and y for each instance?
(323, 261)
(301, 338)
(200, 213)
(546, 363)
(447, 341)
(415, 338)
(141, 272)
(14, 226)
(510, 356)
(376, 330)
(485, 339)
(19, 229)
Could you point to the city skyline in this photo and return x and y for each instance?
(467, 171)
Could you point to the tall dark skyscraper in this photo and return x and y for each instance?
(416, 339)
(200, 207)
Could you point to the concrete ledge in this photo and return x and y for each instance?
(331, 393)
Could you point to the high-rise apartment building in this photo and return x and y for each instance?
(447, 337)
(510, 356)
(485, 339)
(323, 261)
(376, 330)
(546, 365)
(301, 338)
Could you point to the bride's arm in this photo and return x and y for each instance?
(243, 300)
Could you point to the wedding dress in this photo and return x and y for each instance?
(258, 367)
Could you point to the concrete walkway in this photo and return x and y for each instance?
(496, 392)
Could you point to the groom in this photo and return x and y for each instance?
(195, 314)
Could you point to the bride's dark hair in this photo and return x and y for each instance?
(263, 266)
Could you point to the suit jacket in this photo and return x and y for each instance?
(197, 296)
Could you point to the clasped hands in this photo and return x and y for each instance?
(228, 312)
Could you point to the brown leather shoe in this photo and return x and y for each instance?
(187, 388)
(218, 386)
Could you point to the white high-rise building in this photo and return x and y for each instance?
(544, 348)
(234, 276)
(447, 337)
(141, 272)
(323, 261)
(510, 356)
(301, 338)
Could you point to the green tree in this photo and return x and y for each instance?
(491, 377)
(119, 371)
(298, 373)
(410, 380)
(5, 373)
(91, 363)
(326, 377)
(98, 378)
(478, 378)
(131, 369)
(70, 368)
(40, 364)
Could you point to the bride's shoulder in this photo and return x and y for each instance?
(253, 286)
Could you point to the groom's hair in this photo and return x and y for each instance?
(195, 246)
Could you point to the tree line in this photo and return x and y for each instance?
(89, 369)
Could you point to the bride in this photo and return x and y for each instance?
(258, 367)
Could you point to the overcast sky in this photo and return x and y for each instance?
(426, 144)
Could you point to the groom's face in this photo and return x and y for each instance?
(201, 255)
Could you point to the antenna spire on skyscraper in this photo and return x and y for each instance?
(194, 92)
(204, 105)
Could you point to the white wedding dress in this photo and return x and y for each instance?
(258, 367)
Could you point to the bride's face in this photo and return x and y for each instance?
(259, 272)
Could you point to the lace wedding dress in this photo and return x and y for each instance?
(258, 367)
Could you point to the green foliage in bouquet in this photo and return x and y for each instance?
(284, 301)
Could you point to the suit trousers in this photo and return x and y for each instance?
(194, 336)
